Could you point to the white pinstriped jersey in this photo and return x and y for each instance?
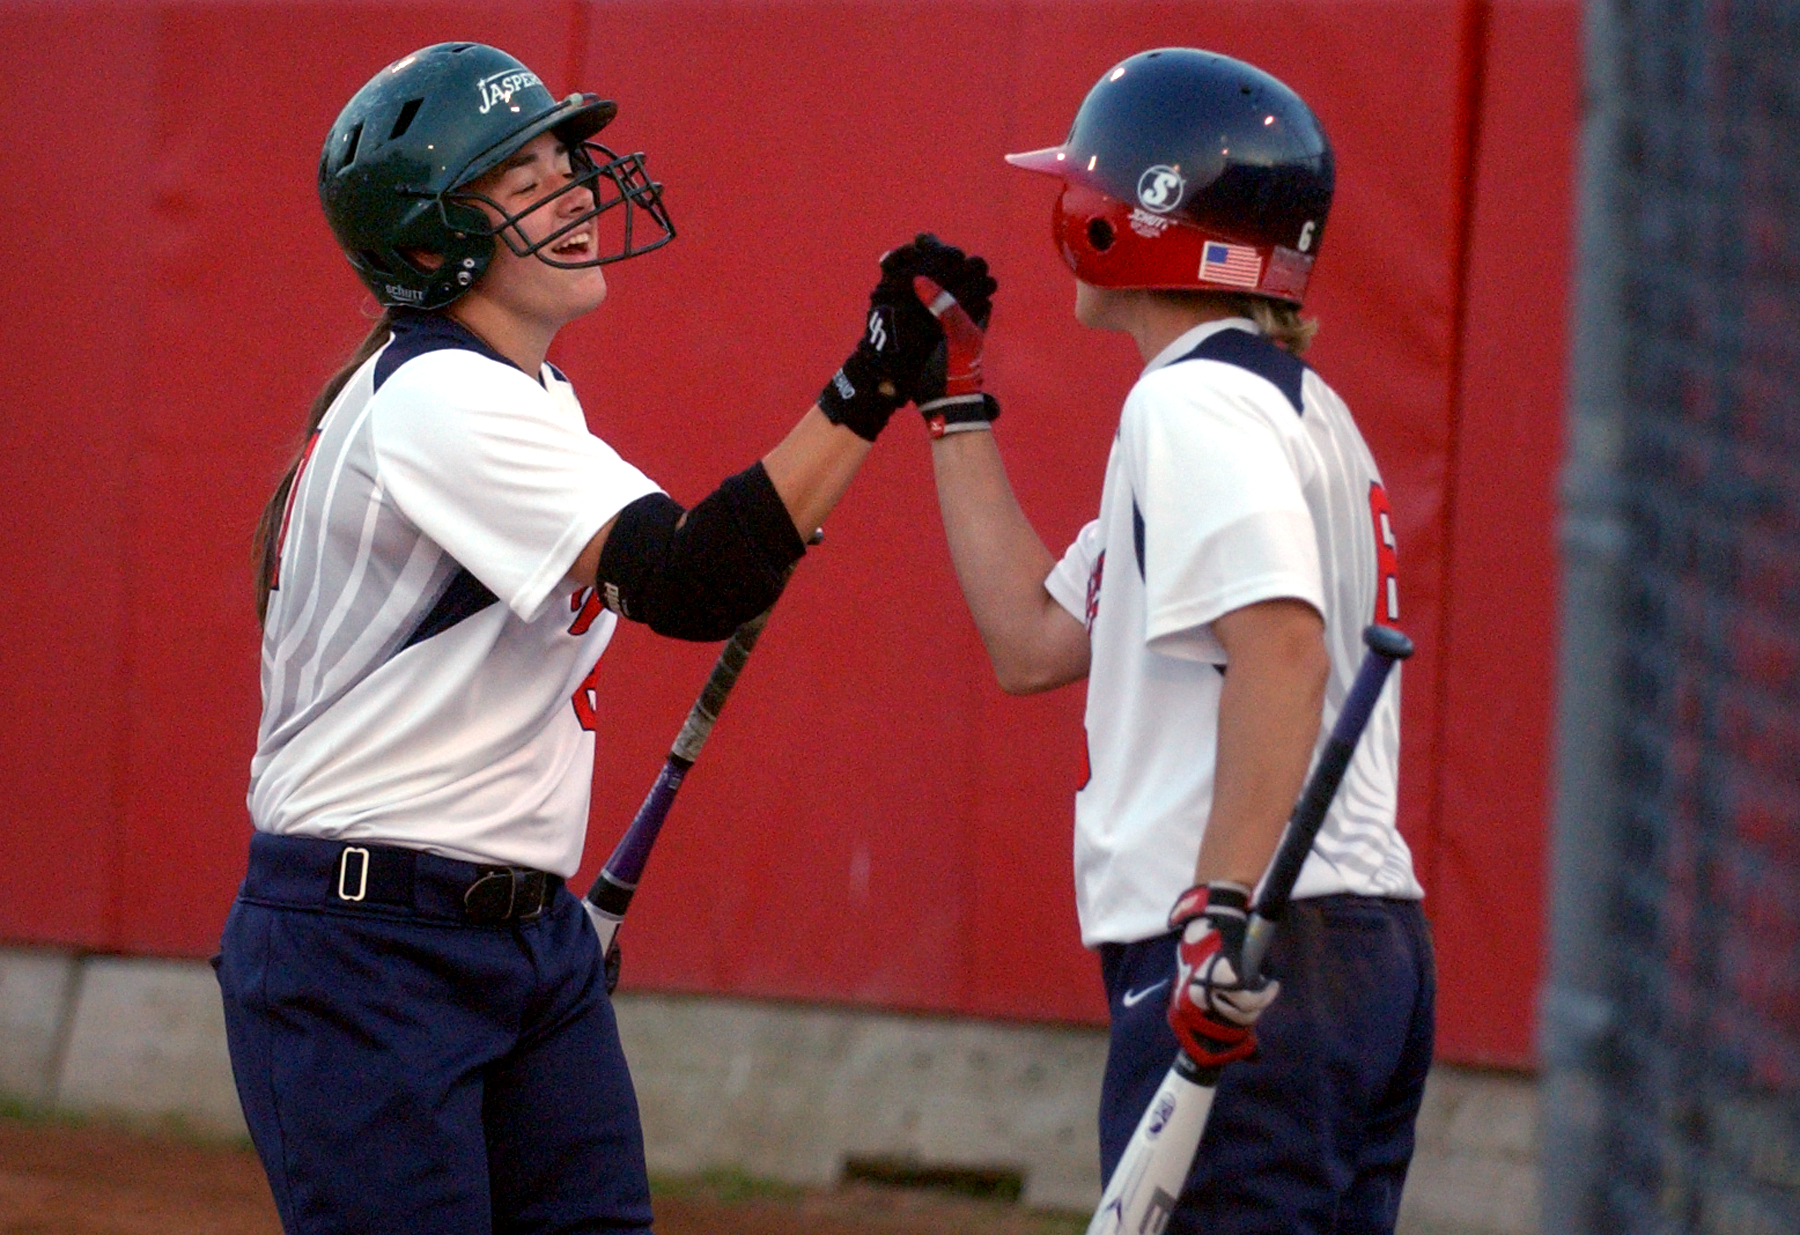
(1237, 476)
(427, 670)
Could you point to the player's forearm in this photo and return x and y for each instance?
(810, 470)
(813, 466)
(1269, 713)
(1001, 563)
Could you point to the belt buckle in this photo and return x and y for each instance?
(490, 898)
(537, 885)
(505, 894)
(362, 878)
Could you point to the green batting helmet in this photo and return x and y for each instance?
(394, 165)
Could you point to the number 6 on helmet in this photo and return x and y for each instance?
(1188, 169)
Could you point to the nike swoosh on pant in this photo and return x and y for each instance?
(1132, 999)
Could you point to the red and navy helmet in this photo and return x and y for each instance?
(1188, 169)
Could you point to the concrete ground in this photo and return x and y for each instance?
(798, 1094)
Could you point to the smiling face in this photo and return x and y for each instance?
(530, 289)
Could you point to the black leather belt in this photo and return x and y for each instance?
(304, 871)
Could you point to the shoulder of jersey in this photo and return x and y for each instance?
(456, 371)
(1278, 390)
(1252, 355)
(434, 345)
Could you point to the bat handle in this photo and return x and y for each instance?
(1387, 647)
(1257, 938)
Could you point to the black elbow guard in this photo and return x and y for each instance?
(701, 577)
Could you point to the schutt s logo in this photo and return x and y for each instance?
(1160, 188)
(502, 86)
(879, 329)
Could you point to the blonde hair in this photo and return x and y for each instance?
(1279, 321)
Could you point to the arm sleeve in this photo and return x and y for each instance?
(1071, 582)
(1217, 479)
(498, 471)
(702, 573)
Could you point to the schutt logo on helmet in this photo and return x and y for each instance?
(1160, 188)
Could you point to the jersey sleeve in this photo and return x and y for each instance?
(499, 471)
(1070, 581)
(1216, 476)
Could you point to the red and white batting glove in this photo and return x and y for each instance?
(960, 404)
(1211, 1009)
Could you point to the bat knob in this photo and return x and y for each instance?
(1388, 642)
(1196, 1073)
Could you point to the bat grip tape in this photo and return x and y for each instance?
(705, 712)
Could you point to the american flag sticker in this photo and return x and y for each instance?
(1234, 265)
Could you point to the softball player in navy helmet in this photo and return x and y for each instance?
(1215, 608)
(416, 1006)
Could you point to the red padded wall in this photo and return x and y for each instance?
(1502, 592)
(75, 287)
(873, 822)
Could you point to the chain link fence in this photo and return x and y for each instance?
(1672, 1022)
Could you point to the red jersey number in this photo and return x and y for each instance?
(585, 604)
(1387, 560)
(586, 699)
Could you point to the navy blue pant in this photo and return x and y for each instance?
(1315, 1135)
(403, 1070)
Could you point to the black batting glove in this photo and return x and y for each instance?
(970, 286)
(959, 292)
(898, 338)
(964, 277)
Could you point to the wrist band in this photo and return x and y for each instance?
(939, 428)
(959, 413)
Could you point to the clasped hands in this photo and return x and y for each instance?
(921, 344)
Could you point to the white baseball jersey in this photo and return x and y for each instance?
(1237, 476)
(427, 669)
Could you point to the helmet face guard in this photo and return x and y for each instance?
(616, 182)
(1189, 170)
(395, 171)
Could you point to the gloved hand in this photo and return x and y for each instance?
(959, 292)
(949, 392)
(964, 277)
(899, 336)
(1211, 1009)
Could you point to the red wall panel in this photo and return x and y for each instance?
(74, 290)
(873, 822)
(1502, 582)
